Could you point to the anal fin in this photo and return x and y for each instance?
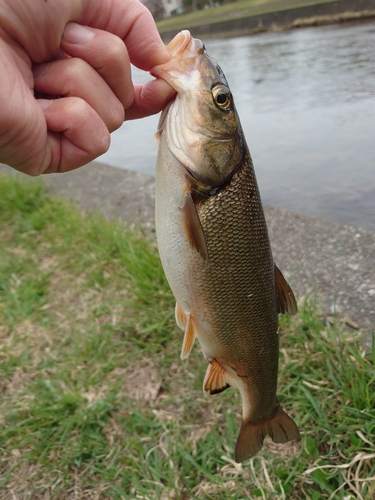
(285, 299)
(189, 336)
(217, 379)
(280, 428)
(193, 227)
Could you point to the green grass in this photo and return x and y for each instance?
(95, 402)
(233, 10)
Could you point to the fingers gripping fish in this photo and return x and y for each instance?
(214, 245)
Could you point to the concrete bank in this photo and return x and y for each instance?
(276, 18)
(339, 261)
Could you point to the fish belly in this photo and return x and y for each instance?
(182, 264)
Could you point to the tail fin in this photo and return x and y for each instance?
(280, 428)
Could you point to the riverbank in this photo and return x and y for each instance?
(249, 17)
(336, 261)
(96, 404)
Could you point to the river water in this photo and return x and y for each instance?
(306, 100)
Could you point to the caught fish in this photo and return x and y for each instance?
(214, 245)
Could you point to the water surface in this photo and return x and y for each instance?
(306, 99)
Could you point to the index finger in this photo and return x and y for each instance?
(133, 23)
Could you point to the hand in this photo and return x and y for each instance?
(77, 55)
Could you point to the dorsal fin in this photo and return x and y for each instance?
(193, 226)
(285, 299)
(217, 379)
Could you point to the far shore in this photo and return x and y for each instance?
(261, 18)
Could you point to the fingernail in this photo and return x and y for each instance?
(44, 103)
(40, 69)
(77, 34)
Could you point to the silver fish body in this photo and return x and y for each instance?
(214, 245)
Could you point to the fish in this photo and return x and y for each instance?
(214, 245)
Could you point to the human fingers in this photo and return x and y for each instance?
(31, 24)
(76, 134)
(149, 99)
(106, 53)
(133, 23)
(73, 77)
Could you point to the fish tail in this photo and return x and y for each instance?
(280, 428)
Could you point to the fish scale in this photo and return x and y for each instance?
(239, 313)
(214, 246)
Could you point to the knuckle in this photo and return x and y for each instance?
(116, 51)
(76, 107)
(72, 67)
(102, 144)
(128, 98)
(117, 117)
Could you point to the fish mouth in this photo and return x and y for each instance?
(183, 61)
(179, 43)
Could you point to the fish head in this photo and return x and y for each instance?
(201, 126)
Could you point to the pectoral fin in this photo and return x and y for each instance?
(193, 226)
(189, 335)
(285, 299)
(217, 379)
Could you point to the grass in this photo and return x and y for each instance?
(96, 404)
(226, 12)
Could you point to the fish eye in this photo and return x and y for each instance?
(222, 97)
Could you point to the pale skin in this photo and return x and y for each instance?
(76, 55)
